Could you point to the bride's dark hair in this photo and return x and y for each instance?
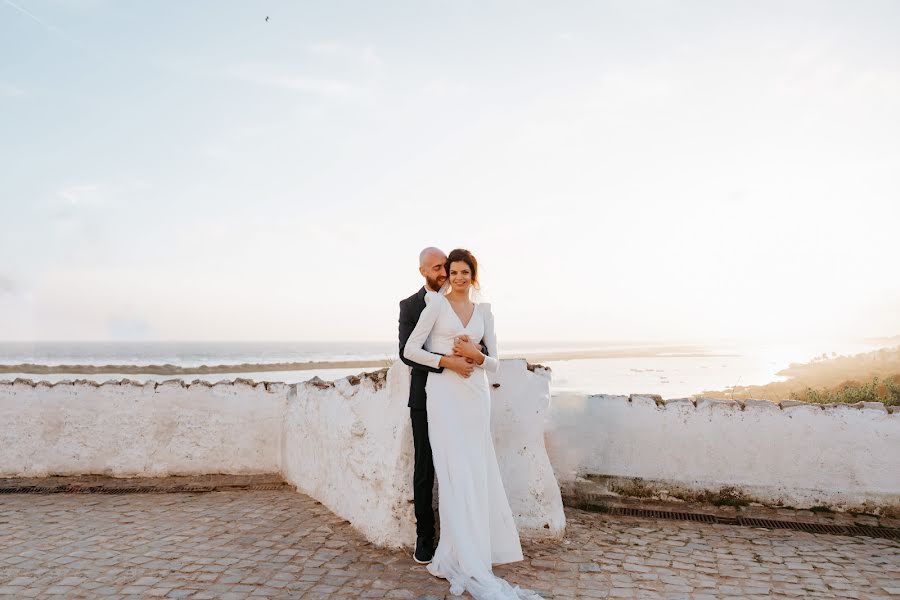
(460, 254)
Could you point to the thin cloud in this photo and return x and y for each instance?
(51, 28)
(95, 195)
(6, 285)
(32, 16)
(10, 91)
(363, 54)
(446, 88)
(82, 195)
(266, 76)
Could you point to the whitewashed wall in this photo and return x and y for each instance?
(129, 429)
(795, 454)
(348, 443)
(519, 412)
(350, 447)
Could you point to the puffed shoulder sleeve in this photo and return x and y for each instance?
(414, 349)
(492, 357)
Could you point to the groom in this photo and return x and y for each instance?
(432, 267)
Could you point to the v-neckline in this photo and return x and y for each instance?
(472, 316)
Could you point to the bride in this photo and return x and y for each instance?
(477, 527)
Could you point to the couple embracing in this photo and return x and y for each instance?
(448, 339)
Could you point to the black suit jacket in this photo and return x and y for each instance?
(410, 311)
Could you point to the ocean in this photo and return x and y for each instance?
(670, 370)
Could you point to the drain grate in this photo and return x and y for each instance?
(626, 511)
(848, 530)
(851, 530)
(267, 486)
(661, 514)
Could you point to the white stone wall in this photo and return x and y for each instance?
(521, 403)
(347, 443)
(350, 447)
(793, 454)
(129, 429)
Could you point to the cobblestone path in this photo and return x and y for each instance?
(282, 544)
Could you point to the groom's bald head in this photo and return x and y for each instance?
(429, 255)
(432, 263)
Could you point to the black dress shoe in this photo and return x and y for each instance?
(424, 550)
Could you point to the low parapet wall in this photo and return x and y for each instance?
(349, 445)
(128, 429)
(792, 454)
(346, 443)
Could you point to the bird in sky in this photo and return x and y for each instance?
(267, 19)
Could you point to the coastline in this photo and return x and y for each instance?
(667, 370)
(170, 369)
(822, 373)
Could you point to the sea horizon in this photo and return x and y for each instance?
(620, 367)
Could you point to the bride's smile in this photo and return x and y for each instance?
(460, 277)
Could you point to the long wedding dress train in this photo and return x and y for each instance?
(477, 526)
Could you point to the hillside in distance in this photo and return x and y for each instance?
(871, 376)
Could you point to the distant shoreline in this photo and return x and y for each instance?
(820, 374)
(169, 369)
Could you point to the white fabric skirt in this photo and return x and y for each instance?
(476, 523)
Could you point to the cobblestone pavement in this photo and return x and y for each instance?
(282, 544)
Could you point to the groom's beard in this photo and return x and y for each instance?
(435, 284)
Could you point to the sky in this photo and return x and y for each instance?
(630, 171)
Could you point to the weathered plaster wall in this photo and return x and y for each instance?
(129, 429)
(792, 454)
(521, 403)
(350, 446)
(347, 443)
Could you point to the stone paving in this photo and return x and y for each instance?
(283, 544)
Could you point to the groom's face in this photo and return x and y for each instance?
(434, 271)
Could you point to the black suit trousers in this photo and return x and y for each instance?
(423, 474)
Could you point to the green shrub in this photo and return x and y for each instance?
(851, 392)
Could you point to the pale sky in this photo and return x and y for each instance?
(622, 170)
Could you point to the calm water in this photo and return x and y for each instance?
(670, 376)
(189, 354)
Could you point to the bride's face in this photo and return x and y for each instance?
(460, 276)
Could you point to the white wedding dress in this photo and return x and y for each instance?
(476, 523)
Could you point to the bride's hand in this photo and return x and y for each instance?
(462, 346)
